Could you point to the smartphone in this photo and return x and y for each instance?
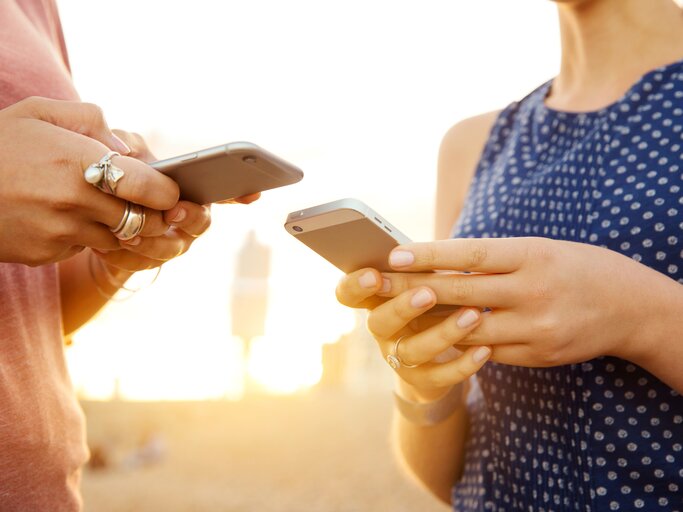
(351, 235)
(225, 172)
(347, 233)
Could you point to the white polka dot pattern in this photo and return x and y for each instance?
(605, 434)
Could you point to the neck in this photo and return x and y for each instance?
(607, 45)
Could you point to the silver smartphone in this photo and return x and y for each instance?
(347, 233)
(225, 172)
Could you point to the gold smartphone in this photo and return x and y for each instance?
(347, 233)
(225, 172)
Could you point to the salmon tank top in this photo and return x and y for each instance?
(42, 435)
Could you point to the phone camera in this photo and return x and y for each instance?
(250, 159)
(298, 229)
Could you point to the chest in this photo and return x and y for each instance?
(617, 185)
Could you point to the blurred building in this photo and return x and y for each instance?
(354, 363)
(249, 302)
(250, 289)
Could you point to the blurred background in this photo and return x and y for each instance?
(236, 381)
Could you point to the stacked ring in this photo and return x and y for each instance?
(132, 222)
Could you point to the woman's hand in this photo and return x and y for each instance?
(552, 302)
(186, 222)
(426, 342)
(48, 212)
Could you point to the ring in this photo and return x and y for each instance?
(132, 222)
(395, 361)
(126, 212)
(104, 175)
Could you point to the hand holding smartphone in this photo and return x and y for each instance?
(351, 235)
(225, 172)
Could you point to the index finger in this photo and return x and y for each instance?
(486, 255)
(140, 183)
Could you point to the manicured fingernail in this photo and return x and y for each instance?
(133, 241)
(481, 354)
(467, 318)
(119, 145)
(401, 258)
(386, 285)
(368, 280)
(180, 216)
(421, 299)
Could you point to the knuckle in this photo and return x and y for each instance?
(541, 290)
(540, 250)
(430, 255)
(399, 283)
(139, 140)
(407, 352)
(477, 254)
(94, 115)
(33, 104)
(61, 232)
(38, 257)
(447, 333)
(460, 288)
(545, 327)
(154, 223)
(137, 188)
(401, 309)
(65, 203)
(168, 195)
(550, 357)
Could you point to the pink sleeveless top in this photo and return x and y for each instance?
(42, 440)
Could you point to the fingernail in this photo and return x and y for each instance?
(180, 216)
(386, 285)
(133, 241)
(467, 318)
(421, 299)
(368, 280)
(119, 145)
(481, 354)
(401, 258)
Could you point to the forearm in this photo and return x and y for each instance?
(433, 455)
(657, 345)
(81, 299)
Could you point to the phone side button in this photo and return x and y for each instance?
(191, 156)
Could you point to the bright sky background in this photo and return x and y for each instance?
(356, 93)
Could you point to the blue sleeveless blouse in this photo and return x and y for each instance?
(605, 434)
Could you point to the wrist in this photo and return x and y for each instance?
(659, 320)
(107, 279)
(425, 395)
(434, 412)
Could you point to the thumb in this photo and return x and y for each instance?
(84, 118)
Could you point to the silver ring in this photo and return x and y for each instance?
(394, 359)
(124, 217)
(132, 223)
(104, 175)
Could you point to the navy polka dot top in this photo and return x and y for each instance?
(605, 434)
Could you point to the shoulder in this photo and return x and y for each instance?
(467, 138)
(459, 155)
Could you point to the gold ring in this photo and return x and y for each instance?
(395, 360)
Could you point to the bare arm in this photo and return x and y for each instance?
(434, 455)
